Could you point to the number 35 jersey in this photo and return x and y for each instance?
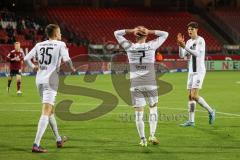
(141, 58)
(49, 55)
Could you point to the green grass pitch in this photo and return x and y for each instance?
(109, 137)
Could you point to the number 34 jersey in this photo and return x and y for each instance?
(141, 57)
(48, 54)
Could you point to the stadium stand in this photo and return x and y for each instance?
(231, 17)
(29, 31)
(99, 24)
(16, 28)
(96, 26)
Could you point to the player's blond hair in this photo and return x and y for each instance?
(17, 42)
(50, 29)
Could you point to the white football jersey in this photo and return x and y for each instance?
(197, 59)
(141, 57)
(49, 54)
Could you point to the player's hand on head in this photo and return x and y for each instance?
(143, 30)
(140, 31)
(136, 31)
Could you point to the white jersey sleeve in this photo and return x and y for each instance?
(156, 43)
(182, 52)
(119, 35)
(200, 48)
(29, 56)
(64, 52)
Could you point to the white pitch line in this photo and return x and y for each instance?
(117, 113)
(87, 104)
(33, 103)
(230, 114)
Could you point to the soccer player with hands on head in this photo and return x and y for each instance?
(144, 89)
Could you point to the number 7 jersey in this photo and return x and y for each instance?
(48, 54)
(141, 57)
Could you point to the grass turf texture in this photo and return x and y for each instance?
(109, 137)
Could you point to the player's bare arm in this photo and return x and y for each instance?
(70, 65)
(31, 65)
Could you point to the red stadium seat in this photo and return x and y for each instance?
(99, 24)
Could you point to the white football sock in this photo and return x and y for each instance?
(42, 125)
(53, 124)
(153, 119)
(140, 123)
(204, 104)
(191, 110)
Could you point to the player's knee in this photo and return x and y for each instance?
(52, 112)
(18, 79)
(139, 115)
(139, 109)
(154, 105)
(47, 109)
(190, 97)
(195, 97)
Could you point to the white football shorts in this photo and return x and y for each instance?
(195, 80)
(47, 93)
(141, 95)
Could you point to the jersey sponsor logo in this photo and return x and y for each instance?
(43, 67)
(141, 67)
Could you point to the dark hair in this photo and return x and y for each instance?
(17, 42)
(49, 30)
(193, 24)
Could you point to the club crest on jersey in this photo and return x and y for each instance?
(193, 47)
